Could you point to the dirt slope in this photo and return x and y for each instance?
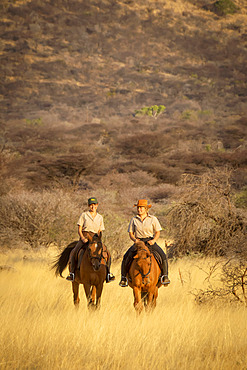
(74, 72)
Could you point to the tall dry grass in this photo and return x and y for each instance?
(40, 328)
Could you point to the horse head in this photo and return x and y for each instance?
(143, 258)
(95, 250)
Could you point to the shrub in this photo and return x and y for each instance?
(204, 220)
(241, 198)
(115, 235)
(34, 122)
(145, 143)
(222, 7)
(37, 219)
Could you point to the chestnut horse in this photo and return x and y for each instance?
(92, 270)
(143, 277)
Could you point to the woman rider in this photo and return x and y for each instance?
(88, 221)
(146, 228)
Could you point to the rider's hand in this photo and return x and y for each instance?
(85, 240)
(151, 242)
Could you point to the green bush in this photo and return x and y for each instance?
(241, 198)
(225, 7)
(34, 122)
(153, 111)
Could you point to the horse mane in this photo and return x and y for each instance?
(141, 246)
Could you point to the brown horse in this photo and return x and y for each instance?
(143, 277)
(92, 270)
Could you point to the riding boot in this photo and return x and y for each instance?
(71, 276)
(164, 272)
(109, 276)
(164, 265)
(72, 261)
(127, 259)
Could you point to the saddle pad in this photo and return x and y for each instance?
(157, 257)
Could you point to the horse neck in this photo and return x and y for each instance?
(88, 234)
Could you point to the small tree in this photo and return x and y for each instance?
(230, 285)
(153, 111)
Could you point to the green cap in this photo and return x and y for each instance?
(92, 201)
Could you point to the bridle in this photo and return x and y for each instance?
(140, 271)
(97, 257)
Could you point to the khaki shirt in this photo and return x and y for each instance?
(89, 223)
(146, 228)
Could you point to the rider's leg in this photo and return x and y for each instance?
(72, 258)
(164, 265)
(109, 276)
(127, 258)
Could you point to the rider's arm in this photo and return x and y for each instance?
(155, 238)
(81, 234)
(132, 237)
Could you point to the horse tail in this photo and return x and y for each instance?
(62, 259)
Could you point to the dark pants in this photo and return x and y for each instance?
(73, 254)
(131, 252)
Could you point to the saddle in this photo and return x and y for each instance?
(154, 253)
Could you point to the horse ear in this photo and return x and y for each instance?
(100, 235)
(135, 257)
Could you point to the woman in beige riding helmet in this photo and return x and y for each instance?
(88, 221)
(147, 228)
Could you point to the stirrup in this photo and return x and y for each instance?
(109, 277)
(126, 283)
(163, 278)
(71, 277)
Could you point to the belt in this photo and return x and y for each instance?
(145, 239)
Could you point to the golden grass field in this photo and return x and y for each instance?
(41, 329)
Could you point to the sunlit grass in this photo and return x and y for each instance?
(41, 329)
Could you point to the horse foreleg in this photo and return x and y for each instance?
(99, 289)
(87, 289)
(151, 301)
(75, 288)
(155, 296)
(93, 294)
(137, 299)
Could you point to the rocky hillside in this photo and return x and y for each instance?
(75, 72)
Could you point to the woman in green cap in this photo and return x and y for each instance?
(88, 221)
